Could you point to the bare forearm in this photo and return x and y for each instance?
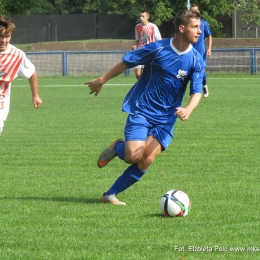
(33, 81)
(194, 101)
(184, 112)
(209, 45)
(95, 85)
(113, 72)
(210, 42)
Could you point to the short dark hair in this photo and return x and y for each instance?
(183, 18)
(194, 5)
(7, 26)
(144, 11)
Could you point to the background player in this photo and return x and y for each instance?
(200, 46)
(145, 32)
(13, 63)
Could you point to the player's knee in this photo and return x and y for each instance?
(133, 158)
(145, 162)
(148, 160)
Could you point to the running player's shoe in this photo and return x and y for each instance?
(205, 91)
(108, 154)
(111, 199)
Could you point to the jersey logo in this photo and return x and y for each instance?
(182, 74)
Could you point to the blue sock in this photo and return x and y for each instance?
(130, 176)
(120, 150)
(204, 80)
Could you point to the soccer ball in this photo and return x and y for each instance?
(175, 203)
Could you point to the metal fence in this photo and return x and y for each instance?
(68, 63)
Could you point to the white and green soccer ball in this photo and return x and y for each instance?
(175, 203)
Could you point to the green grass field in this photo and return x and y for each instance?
(51, 186)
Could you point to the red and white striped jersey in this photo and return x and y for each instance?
(13, 63)
(146, 34)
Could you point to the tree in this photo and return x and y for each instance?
(162, 11)
(2, 8)
(17, 6)
(251, 9)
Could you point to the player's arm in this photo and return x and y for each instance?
(33, 81)
(184, 112)
(157, 35)
(95, 85)
(209, 45)
(134, 47)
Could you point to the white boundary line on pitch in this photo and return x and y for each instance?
(59, 86)
(109, 84)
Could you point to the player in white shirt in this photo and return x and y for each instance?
(145, 33)
(13, 63)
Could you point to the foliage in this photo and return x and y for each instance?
(2, 8)
(251, 11)
(161, 10)
(164, 10)
(17, 6)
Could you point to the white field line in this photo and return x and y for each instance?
(67, 85)
(110, 84)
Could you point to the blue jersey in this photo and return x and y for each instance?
(200, 45)
(162, 85)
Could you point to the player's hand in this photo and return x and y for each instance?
(182, 113)
(95, 86)
(37, 102)
(134, 47)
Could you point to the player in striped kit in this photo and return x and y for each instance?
(13, 63)
(145, 32)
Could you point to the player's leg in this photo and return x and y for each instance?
(204, 79)
(158, 140)
(115, 149)
(152, 149)
(134, 172)
(138, 72)
(205, 86)
(136, 131)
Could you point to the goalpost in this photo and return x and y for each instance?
(188, 4)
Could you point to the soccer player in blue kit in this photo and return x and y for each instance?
(154, 102)
(200, 46)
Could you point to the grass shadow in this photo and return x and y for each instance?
(56, 199)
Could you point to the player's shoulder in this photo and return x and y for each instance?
(157, 45)
(152, 25)
(194, 50)
(164, 42)
(196, 53)
(12, 50)
(204, 22)
(12, 47)
(160, 44)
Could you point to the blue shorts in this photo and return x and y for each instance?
(139, 128)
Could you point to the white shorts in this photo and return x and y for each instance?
(139, 67)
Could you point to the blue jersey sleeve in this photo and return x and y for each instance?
(142, 56)
(197, 74)
(207, 31)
